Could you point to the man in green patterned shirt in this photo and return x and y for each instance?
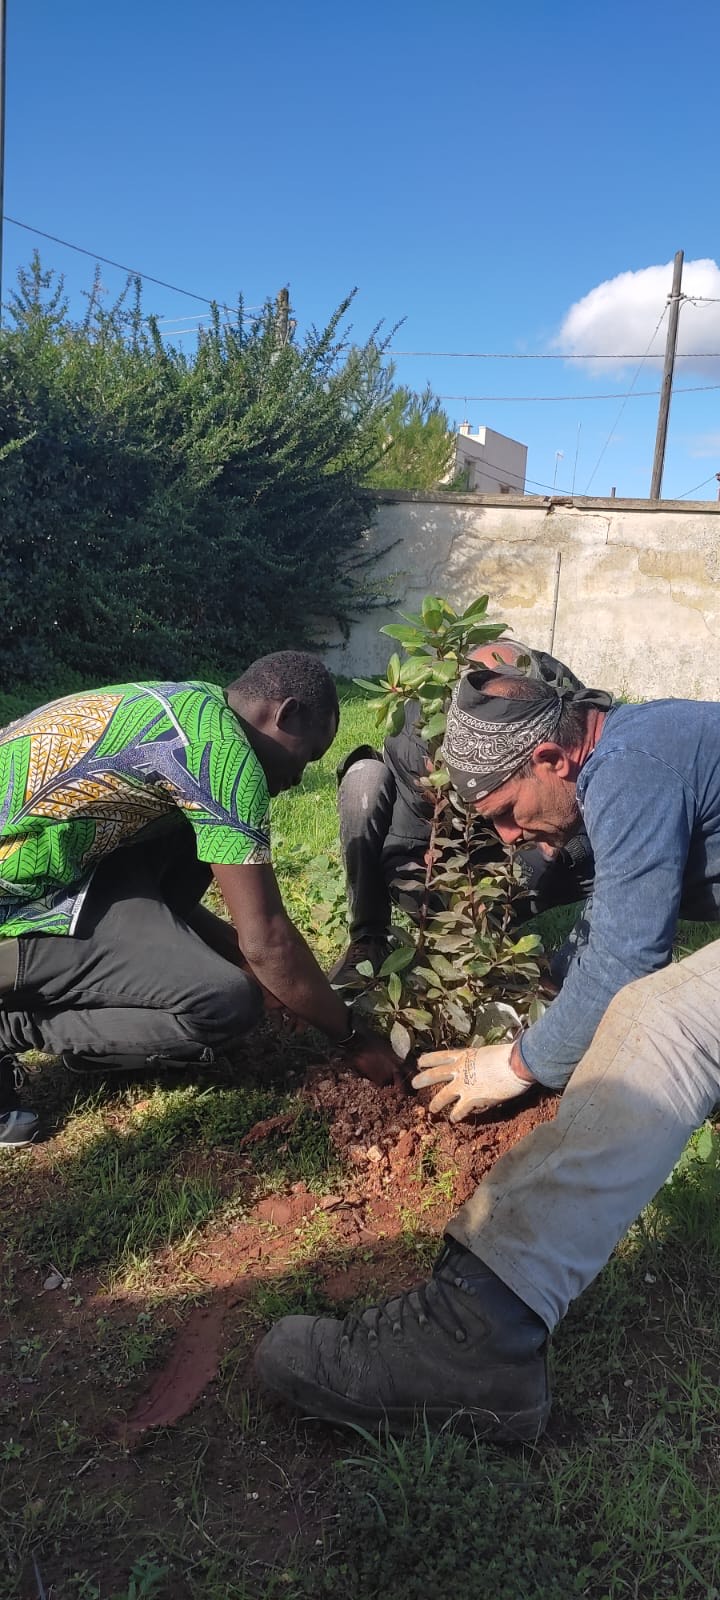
(117, 808)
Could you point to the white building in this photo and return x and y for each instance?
(494, 464)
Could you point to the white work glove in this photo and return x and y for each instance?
(475, 1078)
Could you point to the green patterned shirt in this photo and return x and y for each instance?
(101, 768)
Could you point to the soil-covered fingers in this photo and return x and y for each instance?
(372, 1056)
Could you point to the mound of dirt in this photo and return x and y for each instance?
(387, 1134)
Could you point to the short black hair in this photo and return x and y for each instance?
(288, 674)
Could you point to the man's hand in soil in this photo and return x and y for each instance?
(472, 1079)
(372, 1056)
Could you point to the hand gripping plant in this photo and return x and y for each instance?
(443, 983)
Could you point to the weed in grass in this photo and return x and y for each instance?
(144, 1583)
(439, 1514)
(295, 1295)
(122, 1352)
(302, 1153)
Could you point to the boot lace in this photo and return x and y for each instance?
(433, 1305)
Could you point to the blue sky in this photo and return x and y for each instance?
(476, 170)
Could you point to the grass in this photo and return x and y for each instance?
(241, 1502)
(132, 1178)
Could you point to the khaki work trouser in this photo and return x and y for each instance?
(552, 1210)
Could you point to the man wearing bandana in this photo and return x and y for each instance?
(633, 1040)
(385, 818)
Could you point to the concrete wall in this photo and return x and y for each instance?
(638, 583)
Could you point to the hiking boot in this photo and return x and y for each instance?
(344, 974)
(461, 1347)
(17, 1127)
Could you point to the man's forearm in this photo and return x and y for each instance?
(288, 969)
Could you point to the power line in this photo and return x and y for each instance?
(547, 355)
(631, 394)
(626, 397)
(107, 262)
(501, 476)
(445, 355)
(696, 486)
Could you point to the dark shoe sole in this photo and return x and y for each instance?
(519, 1427)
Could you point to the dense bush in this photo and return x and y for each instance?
(163, 513)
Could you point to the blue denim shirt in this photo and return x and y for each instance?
(649, 796)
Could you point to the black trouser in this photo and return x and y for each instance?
(143, 973)
(382, 866)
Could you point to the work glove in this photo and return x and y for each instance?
(474, 1078)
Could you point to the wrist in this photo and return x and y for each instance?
(518, 1065)
(343, 1040)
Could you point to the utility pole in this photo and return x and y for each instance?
(283, 313)
(3, 35)
(667, 379)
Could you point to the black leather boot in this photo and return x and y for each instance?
(461, 1347)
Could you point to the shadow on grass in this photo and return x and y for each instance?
(142, 1166)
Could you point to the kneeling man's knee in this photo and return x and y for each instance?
(236, 1006)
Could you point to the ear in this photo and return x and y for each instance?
(285, 714)
(551, 758)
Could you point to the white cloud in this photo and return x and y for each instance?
(618, 317)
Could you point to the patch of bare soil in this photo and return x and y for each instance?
(383, 1133)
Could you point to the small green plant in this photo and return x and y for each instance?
(435, 988)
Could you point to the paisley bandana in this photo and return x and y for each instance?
(487, 738)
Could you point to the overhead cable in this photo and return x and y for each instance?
(695, 487)
(133, 271)
(626, 397)
(548, 355)
(631, 394)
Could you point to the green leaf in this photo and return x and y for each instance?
(394, 988)
(705, 1143)
(432, 613)
(446, 670)
(486, 633)
(434, 726)
(365, 969)
(372, 685)
(398, 960)
(476, 608)
(458, 1017)
(393, 670)
(407, 636)
(426, 974)
(401, 1040)
(395, 718)
(414, 670)
(528, 945)
(443, 967)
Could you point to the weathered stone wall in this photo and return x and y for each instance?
(626, 591)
